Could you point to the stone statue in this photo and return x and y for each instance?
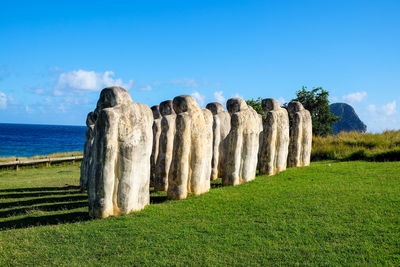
(156, 142)
(221, 128)
(300, 135)
(192, 153)
(275, 144)
(87, 150)
(242, 143)
(120, 170)
(164, 158)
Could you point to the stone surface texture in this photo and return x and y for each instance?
(120, 171)
(300, 135)
(275, 143)
(87, 150)
(221, 129)
(192, 153)
(166, 145)
(240, 163)
(156, 142)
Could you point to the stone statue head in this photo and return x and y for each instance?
(91, 119)
(185, 103)
(156, 111)
(295, 106)
(215, 107)
(113, 96)
(167, 108)
(236, 104)
(269, 104)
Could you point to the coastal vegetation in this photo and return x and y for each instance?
(54, 155)
(357, 146)
(331, 213)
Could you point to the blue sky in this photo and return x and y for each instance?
(55, 56)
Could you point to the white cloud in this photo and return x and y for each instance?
(88, 81)
(146, 88)
(28, 109)
(389, 108)
(3, 100)
(281, 101)
(355, 97)
(61, 108)
(371, 108)
(219, 97)
(185, 82)
(199, 98)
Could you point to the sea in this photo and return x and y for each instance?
(26, 140)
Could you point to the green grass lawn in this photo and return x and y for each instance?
(328, 214)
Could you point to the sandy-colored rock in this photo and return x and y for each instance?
(275, 144)
(87, 150)
(164, 158)
(156, 142)
(300, 135)
(240, 162)
(192, 153)
(221, 128)
(120, 170)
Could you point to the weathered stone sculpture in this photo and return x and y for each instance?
(221, 128)
(156, 139)
(300, 135)
(164, 158)
(87, 150)
(242, 143)
(120, 170)
(275, 144)
(192, 153)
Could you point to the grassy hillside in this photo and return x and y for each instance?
(327, 214)
(358, 146)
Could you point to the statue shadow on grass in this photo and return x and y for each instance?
(41, 200)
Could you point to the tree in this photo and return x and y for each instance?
(316, 101)
(256, 105)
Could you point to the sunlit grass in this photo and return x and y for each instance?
(331, 213)
(358, 146)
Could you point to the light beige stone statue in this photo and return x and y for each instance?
(275, 144)
(300, 135)
(242, 143)
(87, 150)
(120, 170)
(221, 128)
(164, 158)
(192, 153)
(156, 142)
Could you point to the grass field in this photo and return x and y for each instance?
(331, 213)
(54, 155)
(383, 146)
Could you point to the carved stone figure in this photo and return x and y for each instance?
(164, 158)
(242, 143)
(275, 144)
(87, 150)
(221, 128)
(120, 170)
(156, 142)
(192, 153)
(300, 135)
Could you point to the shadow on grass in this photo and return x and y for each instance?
(35, 201)
(38, 194)
(45, 220)
(36, 189)
(158, 199)
(53, 207)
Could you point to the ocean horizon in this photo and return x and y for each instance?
(27, 140)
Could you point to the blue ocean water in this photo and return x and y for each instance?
(26, 140)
